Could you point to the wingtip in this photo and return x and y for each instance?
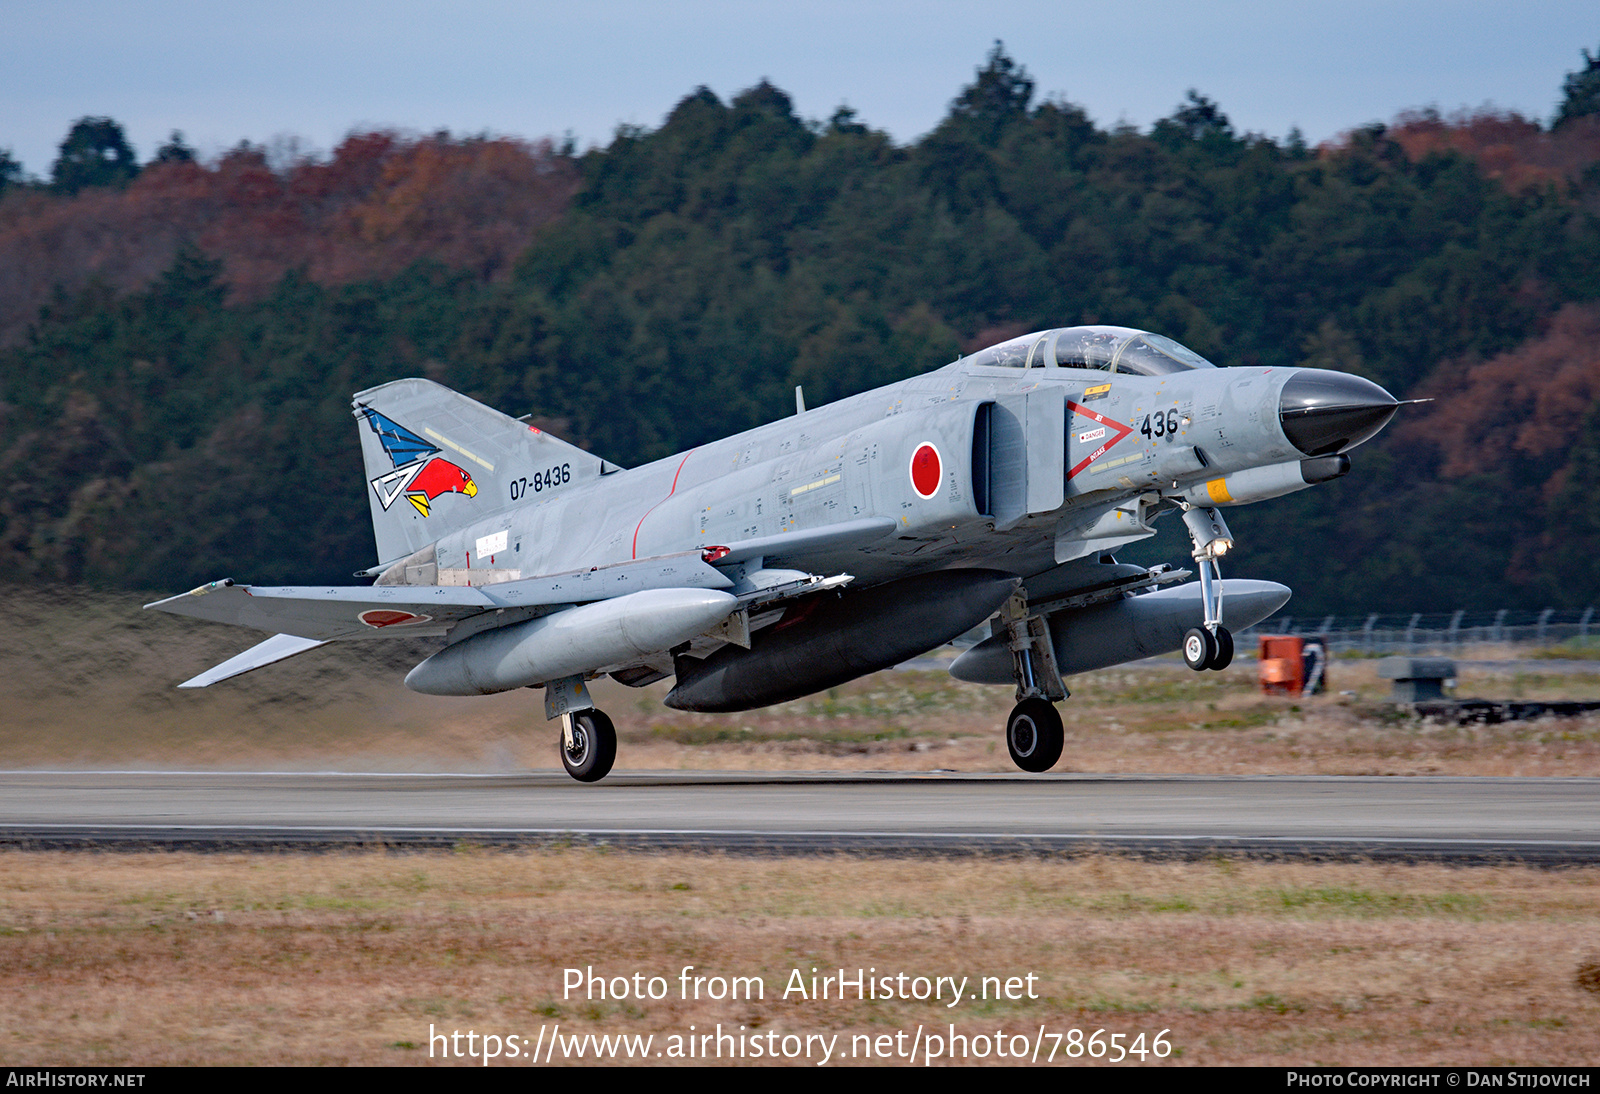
(198, 590)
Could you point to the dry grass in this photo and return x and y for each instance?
(180, 959)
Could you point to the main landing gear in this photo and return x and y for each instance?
(588, 745)
(1209, 646)
(588, 739)
(1034, 734)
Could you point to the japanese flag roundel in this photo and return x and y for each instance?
(386, 617)
(927, 470)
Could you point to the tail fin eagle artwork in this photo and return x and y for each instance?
(418, 477)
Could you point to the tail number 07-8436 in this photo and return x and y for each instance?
(541, 481)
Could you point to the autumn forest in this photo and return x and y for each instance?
(179, 339)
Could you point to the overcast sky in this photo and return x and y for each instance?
(315, 69)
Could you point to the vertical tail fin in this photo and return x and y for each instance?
(437, 461)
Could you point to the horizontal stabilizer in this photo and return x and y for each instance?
(277, 648)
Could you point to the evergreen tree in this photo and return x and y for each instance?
(999, 96)
(1581, 91)
(175, 150)
(164, 435)
(844, 121)
(11, 173)
(94, 153)
(1197, 119)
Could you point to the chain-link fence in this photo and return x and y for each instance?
(1577, 631)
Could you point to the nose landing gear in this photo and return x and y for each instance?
(1209, 646)
(1203, 649)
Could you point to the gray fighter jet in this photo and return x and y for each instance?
(843, 540)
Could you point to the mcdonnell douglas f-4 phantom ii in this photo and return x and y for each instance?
(831, 544)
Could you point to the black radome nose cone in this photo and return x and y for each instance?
(1328, 412)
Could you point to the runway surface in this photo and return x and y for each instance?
(1550, 821)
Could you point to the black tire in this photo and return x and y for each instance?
(1224, 656)
(1034, 735)
(1199, 649)
(594, 747)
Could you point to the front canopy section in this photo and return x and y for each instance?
(1106, 349)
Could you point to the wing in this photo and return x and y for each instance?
(327, 614)
(304, 617)
(331, 613)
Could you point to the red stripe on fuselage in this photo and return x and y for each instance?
(657, 505)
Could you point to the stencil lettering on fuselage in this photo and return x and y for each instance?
(1091, 428)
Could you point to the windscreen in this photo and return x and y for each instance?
(1153, 355)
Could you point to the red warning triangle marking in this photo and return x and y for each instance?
(1120, 429)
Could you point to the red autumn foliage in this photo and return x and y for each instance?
(1508, 147)
(380, 203)
(1530, 402)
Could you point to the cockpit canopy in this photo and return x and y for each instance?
(1109, 349)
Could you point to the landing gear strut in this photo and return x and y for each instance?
(1209, 646)
(588, 745)
(1034, 733)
